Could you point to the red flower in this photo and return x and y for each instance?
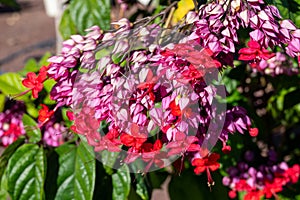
(183, 143)
(135, 140)
(175, 109)
(226, 149)
(254, 195)
(293, 173)
(242, 185)
(254, 52)
(45, 114)
(152, 154)
(271, 188)
(232, 194)
(253, 132)
(207, 163)
(34, 82)
(70, 115)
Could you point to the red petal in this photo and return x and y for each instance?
(198, 162)
(27, 83)
(199, 170)
(214, 167)
(247, 51)
(214, 157)
(253, 44)
(134, 129)
(194, 147)
(31, 76)
(127, 139)
(245, 57)
(157, 145)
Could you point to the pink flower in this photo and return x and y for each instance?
(254, 52)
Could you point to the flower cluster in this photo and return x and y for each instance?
(76, 51)
(154, 90)
(11, 125)
(53, 133)
(218, 22)
(277, 65)
(267, 179)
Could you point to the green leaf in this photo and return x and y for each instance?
(121, 183)
(288, 9)
(66, 26)
(8, 152)
(90, 12)
(76, 173)
(108, 159)
(32, 129)
(3, 188)
(11, 84)
(4, 194)
(31, 109)
(31, 65)
(48, 84)
(26, 173)
(141, 187)
(2, 102)
(43, 61)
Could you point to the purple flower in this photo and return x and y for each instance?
(11, 125)
(62, 90)
(53, 134)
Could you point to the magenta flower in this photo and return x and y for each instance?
(53, 134)
(11, 125)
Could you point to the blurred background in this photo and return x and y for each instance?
(26, 32)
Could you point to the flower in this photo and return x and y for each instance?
(11, 125)
(45, 114)
(34, 82)
(53, 133)
(134, 139)
(253, 132)
(266, 179)
(254, 53)
(207, 163)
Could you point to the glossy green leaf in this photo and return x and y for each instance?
(76, 173)
(11, 84)
(31, 109)
(26, 173)
(3, 188)
(121, 183)
(8, 152)
(32, 129)
(89, 13)
(108, 159)
(48, 84)
(141, 187)
(66, 25)
(4, 194)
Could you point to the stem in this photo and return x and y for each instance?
(210, 181)
(195, 4)
(19, 95)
